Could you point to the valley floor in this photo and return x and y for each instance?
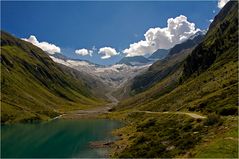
(91, 113)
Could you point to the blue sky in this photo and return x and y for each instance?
(75, 25)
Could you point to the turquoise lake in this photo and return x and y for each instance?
(58, 138)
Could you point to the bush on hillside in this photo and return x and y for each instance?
(213, 119)
(229, 110)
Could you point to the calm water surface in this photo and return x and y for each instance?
(58, 138)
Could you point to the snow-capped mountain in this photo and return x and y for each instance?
(114, 75)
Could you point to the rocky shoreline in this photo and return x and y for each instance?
(101, 144)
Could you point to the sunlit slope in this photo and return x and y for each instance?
(206, 81)
(33, 87)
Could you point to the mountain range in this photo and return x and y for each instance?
(117, 75)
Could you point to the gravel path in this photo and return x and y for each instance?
(193, 115)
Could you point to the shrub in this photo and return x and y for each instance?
(212, 120)
(146, 124)
(140, 139)
(229, 110)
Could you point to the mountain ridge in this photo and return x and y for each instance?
(159, 54)
(134, 60)
(189, 43)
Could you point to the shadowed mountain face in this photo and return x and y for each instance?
(190, 43)
(171, 63)
(33, 87)
(159, 54)
(219, 45)
(158, 71)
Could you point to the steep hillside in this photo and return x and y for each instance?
(33, 87)
(165, 67)
(197, 114)
(158, 71)
(97, 87)
(221, 37)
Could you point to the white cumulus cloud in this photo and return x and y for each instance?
(45, 46)
(84, 52)
(107, 52)
(221, 3)
(178, 29)
(211, 20)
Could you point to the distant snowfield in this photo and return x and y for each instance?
(114, 75)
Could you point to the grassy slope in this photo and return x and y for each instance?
(220, 145)
(175, 135)
(210, 87)
(33, 87)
